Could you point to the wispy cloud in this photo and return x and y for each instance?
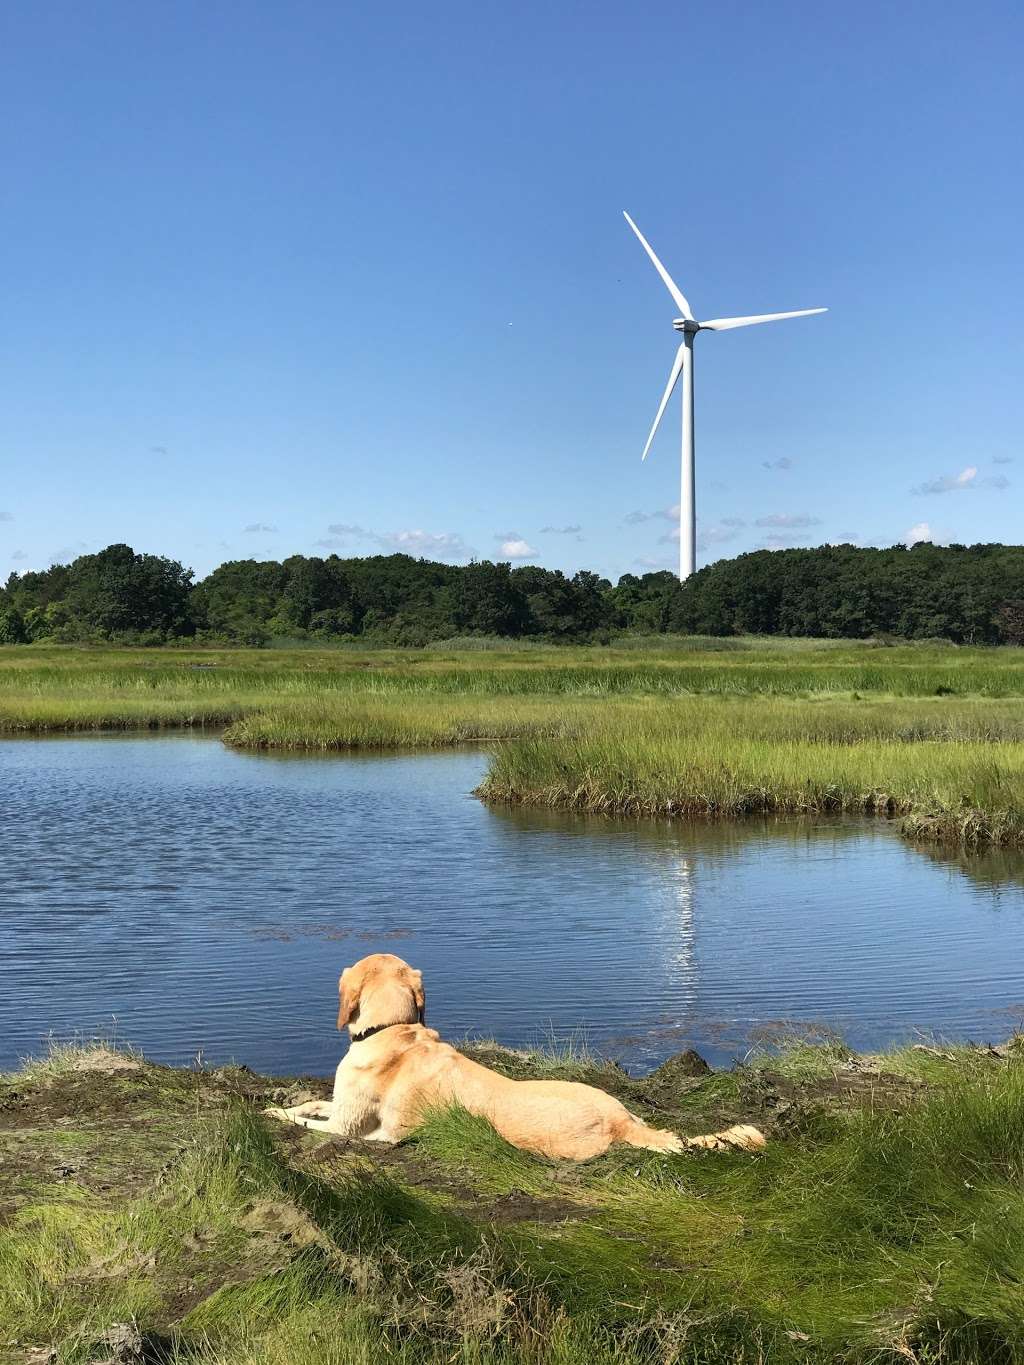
(948, 483)
(958, 483)
(68, 552)
(1002, 459)
(783, 540)
(443, 545)
(783, 463)
(343, 531)
(256, 528)
(788, 520)
(19, 554)
(663, 514)
(158, 450)
(716, 533)
(719, 534)
(6, 516)
(426, 544)
(560, 530)
(651, 564)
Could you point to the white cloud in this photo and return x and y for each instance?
(788, 519)
(444, 545)
(256, 528)
(924, 532)
(516, 548)
(560, 530)
(415, 541)
(949, 483)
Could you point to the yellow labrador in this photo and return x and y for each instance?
(396, 1069)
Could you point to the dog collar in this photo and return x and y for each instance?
(368, 1033)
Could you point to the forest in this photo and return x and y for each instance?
(965, 594)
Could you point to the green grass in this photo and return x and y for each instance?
(881, 1230)
(953, 771)
(692, 728)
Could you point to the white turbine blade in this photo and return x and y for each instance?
(673, 380)
(669, 282)
(724, 324)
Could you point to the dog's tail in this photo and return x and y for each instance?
(637, 1134)
(740, 1137)
(743, 1137)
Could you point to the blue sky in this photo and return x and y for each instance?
(288, 278)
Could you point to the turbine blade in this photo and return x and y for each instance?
(724, 324)
(673, 380)
(669, 282)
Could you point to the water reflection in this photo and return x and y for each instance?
(992, 869)
(209, 899)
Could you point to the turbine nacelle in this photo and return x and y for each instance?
(686, 325)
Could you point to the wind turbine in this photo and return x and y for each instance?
(683, 365)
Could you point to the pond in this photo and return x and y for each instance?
(196, 901)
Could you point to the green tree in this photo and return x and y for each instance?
(487, 601)
(12, 627)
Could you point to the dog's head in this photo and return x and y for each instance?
(380, 990)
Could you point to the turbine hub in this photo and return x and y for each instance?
(686, 325)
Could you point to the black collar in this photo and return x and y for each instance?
(368, 1033)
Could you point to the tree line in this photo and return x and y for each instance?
(967, 594)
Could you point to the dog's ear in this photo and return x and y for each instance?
(348, 1000)
(415, 980)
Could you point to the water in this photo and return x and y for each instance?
(193, 900)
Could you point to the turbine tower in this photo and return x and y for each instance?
(683, 365)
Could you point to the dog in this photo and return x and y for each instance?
(397, 1069)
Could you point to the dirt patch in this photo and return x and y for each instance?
(275, 1221)
(103, 1059)
(519, 1207)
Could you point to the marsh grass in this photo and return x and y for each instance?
(955, 774)
(878, 1233)
(927, 733)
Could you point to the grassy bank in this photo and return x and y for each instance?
(952, 772)
(883, 1223)
(928, 733)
